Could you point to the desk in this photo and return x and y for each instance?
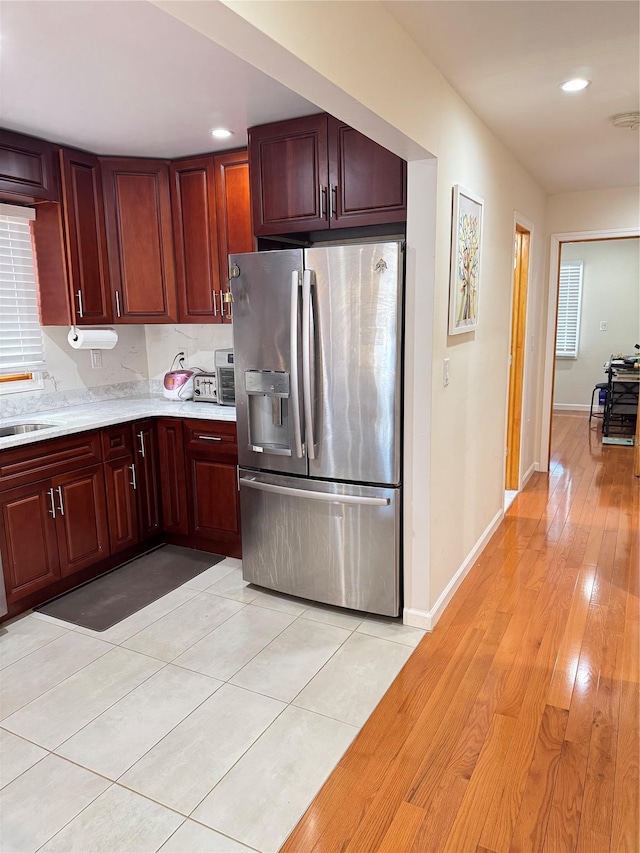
(621, 408)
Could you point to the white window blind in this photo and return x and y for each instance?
(569, 302)
(21, 346)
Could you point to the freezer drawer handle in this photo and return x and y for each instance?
(315, 496)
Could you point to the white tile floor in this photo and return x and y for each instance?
(206, 722)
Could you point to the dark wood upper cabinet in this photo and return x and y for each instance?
(70, 247)
(315, 173)
(139, 240)
(367, 182)
(211, 219)
(28, 169)
(289, 175)
(88, 266)
(193, 196)
(235, 232)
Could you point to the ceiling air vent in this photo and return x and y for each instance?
(630, 120)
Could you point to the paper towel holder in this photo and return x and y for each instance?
(85, 338)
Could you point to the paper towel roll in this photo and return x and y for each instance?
(92, 338)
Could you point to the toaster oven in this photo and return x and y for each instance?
(225, 377)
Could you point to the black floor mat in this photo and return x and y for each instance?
(109, 599)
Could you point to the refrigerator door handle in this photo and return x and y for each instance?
(327, 497)
(295, 400)
(306, 362)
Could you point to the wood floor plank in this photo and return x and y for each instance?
(531, 824)
(514, 724)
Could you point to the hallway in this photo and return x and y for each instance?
(514, 725)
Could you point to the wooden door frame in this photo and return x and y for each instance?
(556, 241)
(523, 232)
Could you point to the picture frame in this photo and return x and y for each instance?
(466, 253)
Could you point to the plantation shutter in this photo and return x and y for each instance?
(21, 345)
(569, 301)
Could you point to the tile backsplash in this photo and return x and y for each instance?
(134, 367)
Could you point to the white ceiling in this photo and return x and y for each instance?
(507, 59)
(126, 78)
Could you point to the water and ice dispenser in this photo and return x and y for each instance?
(268, 411)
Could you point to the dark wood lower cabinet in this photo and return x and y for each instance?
(173, 482)
(28, 542)
(121, 504)
(145, 442)
(81, 519)
(160, 480)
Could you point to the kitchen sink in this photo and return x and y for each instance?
(19, 429)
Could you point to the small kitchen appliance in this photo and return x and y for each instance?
(205, 388)
(225, 377)
(178, 382)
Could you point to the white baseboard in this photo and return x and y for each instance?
(571, 407)
(527, 475)
(427, 619)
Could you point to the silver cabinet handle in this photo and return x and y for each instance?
(60, 500)
(293, 331)
(322, 193)
(52, 511)
(141, 438)
(80, 308)
(315, 496)
(210, 437)
(215, 303)
(331, 191)
(306, 362)
(118, 312)
(133, 482)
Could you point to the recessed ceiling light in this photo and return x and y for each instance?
(221, 133)
(575, 85)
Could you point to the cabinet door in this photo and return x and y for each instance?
(28, 169)
(139, 240)
(235, 233)
(368, 183)
(148, 492)
(193, 196)
(173, 483)
(121, 503)
(81, 519)
(88, 268)
(213, 497)
(288, 171)
(28, 545)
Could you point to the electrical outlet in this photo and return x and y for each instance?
(445, 372)
(603, 325)
(96, 358)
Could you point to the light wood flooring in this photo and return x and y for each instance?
(514, 725)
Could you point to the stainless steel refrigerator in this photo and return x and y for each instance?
(317, 345)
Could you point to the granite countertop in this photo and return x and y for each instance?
(72, 419)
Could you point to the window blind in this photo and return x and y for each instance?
(21, 345)
(569, 302)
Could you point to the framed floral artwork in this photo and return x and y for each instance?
(466, 248)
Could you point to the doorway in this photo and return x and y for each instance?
(516, 360)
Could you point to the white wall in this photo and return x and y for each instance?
(197, 341)
(610, 292)
(354, 61)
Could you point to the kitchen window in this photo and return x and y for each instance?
(21, 342)
(569, 303)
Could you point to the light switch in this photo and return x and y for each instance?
(96, 358)
(445, 372)
(603, 325)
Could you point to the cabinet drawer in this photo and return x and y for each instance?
(42, 459)
(213, 436)
(116, 442)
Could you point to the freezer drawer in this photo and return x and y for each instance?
(331, 542)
